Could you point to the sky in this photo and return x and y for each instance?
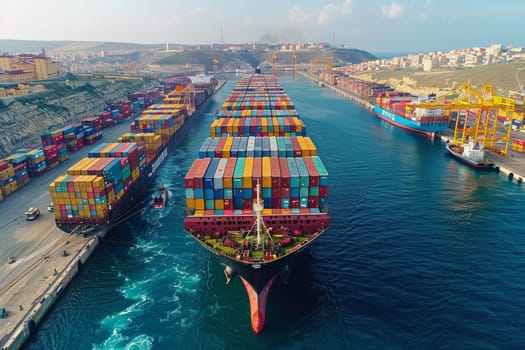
(377, 26)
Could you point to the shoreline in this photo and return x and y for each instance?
(513, 166)
(46, 258)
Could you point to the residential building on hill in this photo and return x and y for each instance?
(26, 67)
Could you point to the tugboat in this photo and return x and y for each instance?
(160, 199)
(471, 154)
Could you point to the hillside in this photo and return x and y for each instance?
(25, 118)
(503, 77)
(145, 54)
(244, 58)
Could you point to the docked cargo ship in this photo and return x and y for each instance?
(257, 194)
(107, 187)
(397, 108)
(421, 120)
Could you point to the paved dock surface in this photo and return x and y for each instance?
(32, 258)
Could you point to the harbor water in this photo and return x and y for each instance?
(422, 253)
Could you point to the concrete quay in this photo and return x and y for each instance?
(37, 260)
(512, 165)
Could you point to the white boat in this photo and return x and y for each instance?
(471, 154)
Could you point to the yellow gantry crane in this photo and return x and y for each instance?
(184, 95)
(316, 61)
(479, 115)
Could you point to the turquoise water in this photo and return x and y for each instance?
(422, 253)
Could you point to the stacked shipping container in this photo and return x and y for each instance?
(57, 143)
(258, 139)
(95, 186)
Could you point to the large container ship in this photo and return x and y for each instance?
(257, 194)
(397, 108)
(106, 188)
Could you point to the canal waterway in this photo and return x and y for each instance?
(422, 253)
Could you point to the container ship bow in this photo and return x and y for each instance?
(257, 194)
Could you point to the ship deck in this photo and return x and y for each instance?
(243, 247)
(234, 235)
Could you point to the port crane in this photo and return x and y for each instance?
(316, 61)
(183, 95)
(479, 114)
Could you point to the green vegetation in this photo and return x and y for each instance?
(206, 58)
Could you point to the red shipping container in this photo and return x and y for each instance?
(3, 165)
(312, 171)
(285, 173)
(198, 180)
(20, 167)
(220, 146)
(276, 172)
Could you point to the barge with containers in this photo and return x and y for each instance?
(397, 108)
(107, 187)
(257, 195)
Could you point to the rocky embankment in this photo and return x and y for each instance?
(506, 78)
(25, 118)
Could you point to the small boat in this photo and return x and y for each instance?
(471, 154)
(160, 199)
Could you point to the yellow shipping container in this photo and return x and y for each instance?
(264, 124)
(199, 204)
(266, 173)
(275, 124)
(313, 148)
(229, 126)
(219, 204)
(226, 151)
(247, 173)
(135, 174)
(190, 203)
(98, 183)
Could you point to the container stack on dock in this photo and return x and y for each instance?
(55, 144)
(55, 137)
(7, 179)
(518, 145)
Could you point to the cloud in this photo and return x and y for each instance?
(298, 14)
(393, 10)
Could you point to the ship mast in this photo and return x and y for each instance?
(258, 207)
